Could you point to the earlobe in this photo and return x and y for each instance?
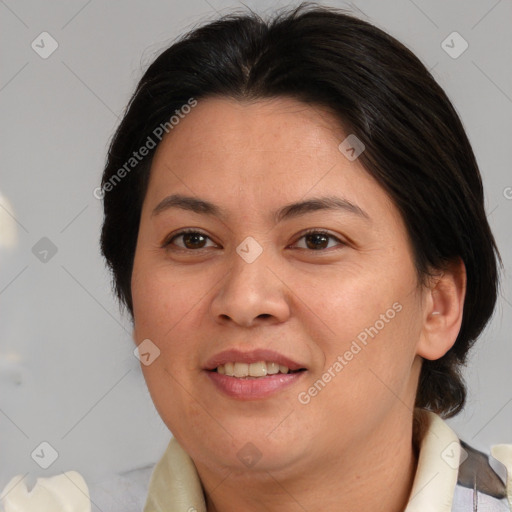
(443, 308)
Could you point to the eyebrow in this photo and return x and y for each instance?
(288, 211)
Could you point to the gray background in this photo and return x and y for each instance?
(68, 375)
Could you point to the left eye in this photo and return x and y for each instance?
(318, 240)
(190, 240)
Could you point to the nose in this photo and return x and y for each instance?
(252, 294)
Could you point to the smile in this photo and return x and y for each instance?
(252, 370)
(252, 375)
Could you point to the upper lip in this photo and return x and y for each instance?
(252, 356)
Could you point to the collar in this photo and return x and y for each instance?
(438, 464)
(175, 484)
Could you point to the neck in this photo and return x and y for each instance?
(375, 475)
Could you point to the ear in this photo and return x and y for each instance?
(443, 304)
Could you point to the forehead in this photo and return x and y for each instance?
(259, 154)
(265, 124)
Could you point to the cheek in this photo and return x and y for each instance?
(371, 318)
(163, 300)
(166, 309)
(354, 299)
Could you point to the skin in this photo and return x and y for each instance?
(350, 448)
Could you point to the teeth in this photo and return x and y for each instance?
(283, 369)
(241, 370)
(259, 369)
(272, 368)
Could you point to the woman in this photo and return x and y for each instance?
(294, 218)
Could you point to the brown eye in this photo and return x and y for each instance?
(194, 240)
(189, 240)
(318, 240)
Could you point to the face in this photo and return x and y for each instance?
(294, 261)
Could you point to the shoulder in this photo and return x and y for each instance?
(484, 481)
(63, 492)
(453, 476)
(70, 492)
(124, 491)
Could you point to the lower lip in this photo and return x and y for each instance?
(253, 388)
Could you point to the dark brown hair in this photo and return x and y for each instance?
(416, 146)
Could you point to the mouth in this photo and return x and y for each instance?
(256, 370)
(252, 375)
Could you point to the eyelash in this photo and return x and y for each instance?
(313, 231)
